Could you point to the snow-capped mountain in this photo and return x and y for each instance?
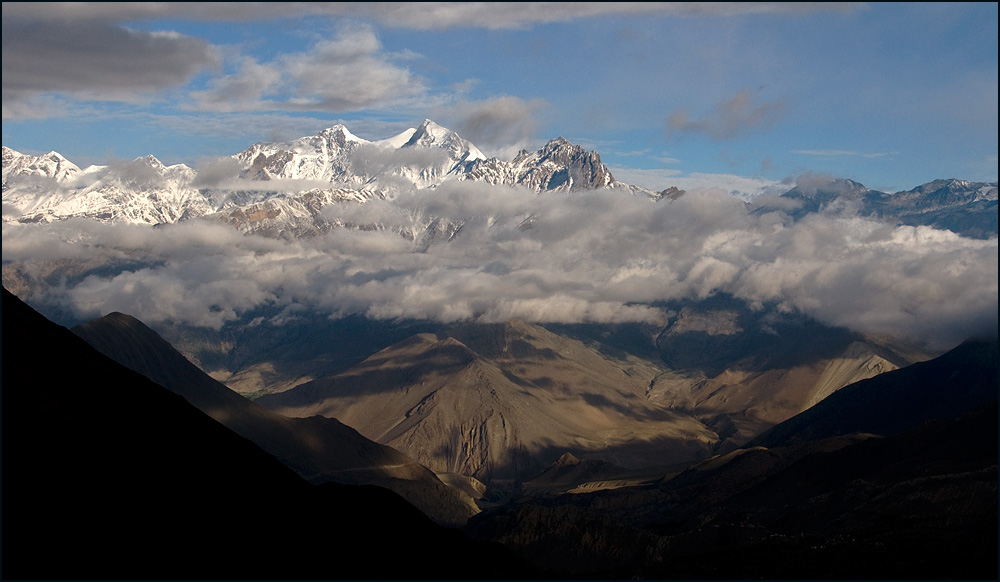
(21, 167)
(142, 191)
(281, 189)
(422, 156)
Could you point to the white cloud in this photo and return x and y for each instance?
(346, 73)
(587, 256)
(842, 153)
(745, 188)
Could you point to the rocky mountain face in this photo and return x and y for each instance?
(559, 165)
(495, 401)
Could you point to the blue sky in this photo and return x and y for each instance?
(891, 95)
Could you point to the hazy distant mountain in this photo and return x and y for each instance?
(966, 208)
(112, 476)
(319, 449)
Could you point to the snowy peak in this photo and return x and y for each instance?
(558, 166)
(338, 156)
(430, 134)
(18, 167)
(333, 166)
(340, 135)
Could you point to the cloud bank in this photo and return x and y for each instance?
(593, 256)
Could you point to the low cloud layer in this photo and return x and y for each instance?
(594, 256)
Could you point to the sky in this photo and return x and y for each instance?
(738, 95)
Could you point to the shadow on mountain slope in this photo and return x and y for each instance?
(919, 503)
(109, 475)
(319, 449)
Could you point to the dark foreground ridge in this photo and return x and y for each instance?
(109, 475)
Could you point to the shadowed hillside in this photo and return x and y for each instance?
(109, 475)
(919, 503)
(319, 449)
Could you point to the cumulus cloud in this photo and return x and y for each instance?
(598, 256)
(345, 73)
(348, 72)
(243, 90)
(730, 118)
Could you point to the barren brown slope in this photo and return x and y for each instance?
(948, 385)
(319, 449)
(919, 503)
(503, 403)
(741, 372)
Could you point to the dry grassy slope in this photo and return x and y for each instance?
(502, 401)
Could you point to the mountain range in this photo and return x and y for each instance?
(891, 477)
(712, 406)
(282, 189)
(499, 402)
